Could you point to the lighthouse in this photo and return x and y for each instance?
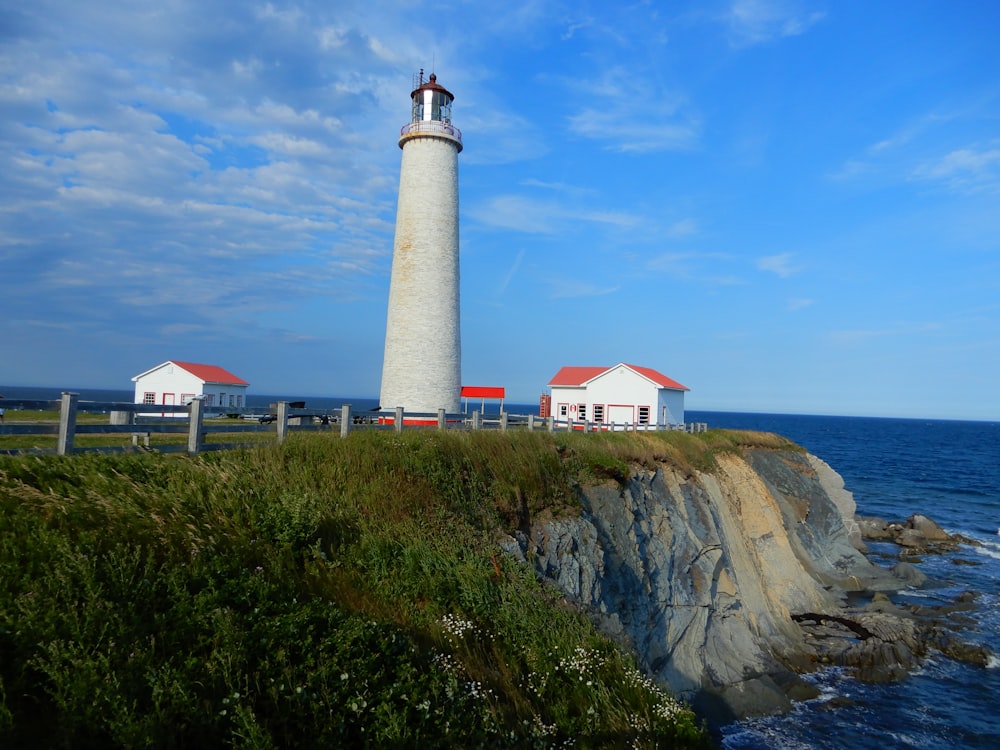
(421, 367)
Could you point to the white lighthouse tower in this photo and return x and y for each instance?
(422, 368)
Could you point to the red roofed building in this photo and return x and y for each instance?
(620, 395)
(176, 383)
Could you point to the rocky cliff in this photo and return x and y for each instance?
(728, 582)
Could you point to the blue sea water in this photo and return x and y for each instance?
(948, 470)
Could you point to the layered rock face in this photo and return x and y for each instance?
(725, 583)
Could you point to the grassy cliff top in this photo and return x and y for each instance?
(320, 593)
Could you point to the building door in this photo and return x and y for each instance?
(621, 414)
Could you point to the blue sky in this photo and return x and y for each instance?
(786, 205)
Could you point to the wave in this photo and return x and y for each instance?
(986, 551)
(989, 549)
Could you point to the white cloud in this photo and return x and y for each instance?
(857, 336)
(754, 22)
(698, 267)
(896, 330)
(966, 169)
(574, 26)
(570, 288)
(634, 114)
(508, 277)
(500, 137)
(559, 187)
(780, 264)
(284, 145)
(527, 214)
(683, 228)
(913, 153)
(675, 264)
(638, 132)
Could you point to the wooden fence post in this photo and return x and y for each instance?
(476, 422)
(503, 421)
(531, 423)
(398, 421)
(552, 423)
(67, 422)
(196, 425)
(282, 421)
(442, 422)
(345, 420)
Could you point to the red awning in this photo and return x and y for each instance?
(483, 391)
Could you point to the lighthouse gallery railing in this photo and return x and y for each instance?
(430, 126)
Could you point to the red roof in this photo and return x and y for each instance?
(579, 376)
(576, 375)
(658, 377)
(483, 391)
(211, 373)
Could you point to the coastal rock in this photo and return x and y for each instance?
(917, 535)
(909, 574)
(726, 582)
(874, 529)
(833, 484)
(928, 528)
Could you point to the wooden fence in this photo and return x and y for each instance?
(140, 421)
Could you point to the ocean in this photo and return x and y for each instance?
(947, 470)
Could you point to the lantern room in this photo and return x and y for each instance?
(431, 112)
(431, 101)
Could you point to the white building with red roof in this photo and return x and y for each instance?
(620, 395)
(176, 383)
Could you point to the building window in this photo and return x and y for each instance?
(581, 410)
(599, 413)
(210, 399)
(239, 401)
(232, 400)
(149, 397)
(563, 410)
(643, 415)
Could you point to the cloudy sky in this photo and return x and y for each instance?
(786, 205)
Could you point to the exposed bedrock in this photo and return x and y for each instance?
(728, 583)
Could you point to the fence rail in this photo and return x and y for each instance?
(141, 421)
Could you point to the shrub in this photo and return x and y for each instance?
(320, 593)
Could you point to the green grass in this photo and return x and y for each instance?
(326, 592)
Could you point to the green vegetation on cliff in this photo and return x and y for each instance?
(321, 593)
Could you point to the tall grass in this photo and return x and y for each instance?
(326, 592)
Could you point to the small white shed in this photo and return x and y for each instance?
(176, 383)
(621, 395)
